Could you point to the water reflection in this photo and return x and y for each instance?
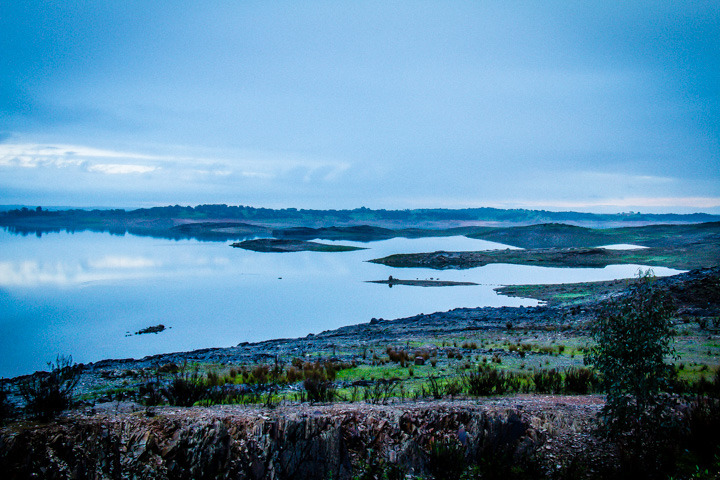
(81, 293)
(66, 273)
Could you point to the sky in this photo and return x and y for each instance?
(590, 106)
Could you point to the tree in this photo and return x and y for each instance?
(634, 336)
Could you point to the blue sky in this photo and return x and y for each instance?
(596, 106)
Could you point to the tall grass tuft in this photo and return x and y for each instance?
(48, 393)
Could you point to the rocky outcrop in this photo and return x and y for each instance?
(298, 442)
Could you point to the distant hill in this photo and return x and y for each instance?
(360, 216)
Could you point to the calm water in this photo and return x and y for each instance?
(82, 293)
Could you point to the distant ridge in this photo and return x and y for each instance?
(369, 216)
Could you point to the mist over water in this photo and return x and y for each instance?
(82, 294)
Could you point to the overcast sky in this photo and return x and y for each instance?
(595, 106)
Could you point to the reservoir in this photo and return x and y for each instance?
(85, 294)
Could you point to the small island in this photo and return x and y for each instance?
(153, 329)
(283, 245)
(420, 283)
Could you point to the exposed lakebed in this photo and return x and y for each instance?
(80, 293)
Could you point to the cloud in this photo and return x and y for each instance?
(326, 106)
(258, 165)
(120, 169)
(625, 202)
(61, 173)
(64, 156)
(610, 178)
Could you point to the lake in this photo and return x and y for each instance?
(85, 294)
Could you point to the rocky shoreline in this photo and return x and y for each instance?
(545, 436)
(697, 294)
(417, 327)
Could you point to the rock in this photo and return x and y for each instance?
(242, 442)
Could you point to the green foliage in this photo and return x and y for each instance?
(318, 388)
(186, 388)
(486, 381)
(149, 392)
(580, 380)
(380, 391)
(501, 453)
(701, 438)
(377, 468)
(48, 393)
(547, 381)
(453, 387)
(634, 335)
(433, 388)
(703, 386)
(446, 458)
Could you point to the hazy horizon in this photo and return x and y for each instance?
(599, 211)
(601, 108)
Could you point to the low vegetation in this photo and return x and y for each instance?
(657, 369)
(48, 393)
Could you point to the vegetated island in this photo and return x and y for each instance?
(153, 329)
(421, 283)
(679, 243)
(284, 245)
(555, 245)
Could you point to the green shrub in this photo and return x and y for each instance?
(318, 387)
(547, 381)
(214, 379)
(634, 336)
(453, 387)
(446, 458)
(376, 467)
(579, 380)
(293, 374)
(48, 393)
(433, 388)
(380, 391)
(185, 388)
(398, 356)
(701, 440)
(150, 393)
(259, 374)
(486, 381)
(710, 388)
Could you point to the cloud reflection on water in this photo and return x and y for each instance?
(68, 273)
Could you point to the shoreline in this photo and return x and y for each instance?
(689, 290)
(566, 312)
(273, 416)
